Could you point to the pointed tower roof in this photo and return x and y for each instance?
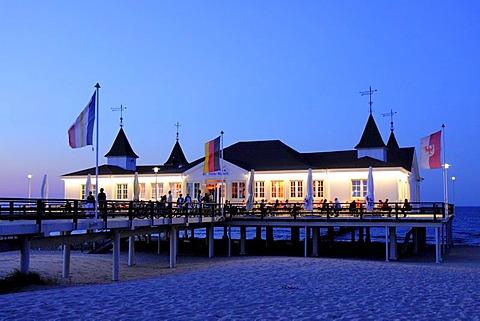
(371, 137)
(121, 146)
(392, 141)
(177, 158)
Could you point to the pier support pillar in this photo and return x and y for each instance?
(225, 232)
(269, 235)
(393, 254)
(25, 255)
(211, 239)
(367, 235)
(243, 239)
(360, 235)
(415, 240)
(66, 258)
(295, 234)
(438, 250)
(173, 246)
(116, 256)
(131, 251)
(258, 233)
(305, 241)
(315, 238)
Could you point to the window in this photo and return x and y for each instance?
(277, 189)
(176, 189)
(193, 189)
(296, 189)
(142, 191)
(359, 188)
(238, 189)
(259, 189)
(93, 189)
(154, 193)
(318, 189)
(122, 192)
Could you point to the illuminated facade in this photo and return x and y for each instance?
(280, 172)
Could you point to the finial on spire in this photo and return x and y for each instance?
(391, 113)
(178, 126)
(369, 92)
(121, 108)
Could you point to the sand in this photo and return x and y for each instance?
(249, 288)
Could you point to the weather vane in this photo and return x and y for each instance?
(178, 126)
(121, 108)
(391, 113)
(369, 92)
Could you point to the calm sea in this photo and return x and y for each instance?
(466, 230)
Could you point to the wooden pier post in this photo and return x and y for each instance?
(173, 246)
(315, 237)
(116, 256)
(243, 239)
(131, 250)
(393, 255)
(25, 255)
(211, 239)
(66, 258)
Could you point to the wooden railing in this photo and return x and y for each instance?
(13, 209)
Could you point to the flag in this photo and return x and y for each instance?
(212, 156)
(430, 149)
(80, 133)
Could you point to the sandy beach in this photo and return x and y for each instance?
(248, 288)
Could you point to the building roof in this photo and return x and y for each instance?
(121, 146)
(264, 155)
(371, 137)
(177, 157)
(392, 141)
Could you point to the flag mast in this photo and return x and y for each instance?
(445, 174)
(223, 192)
(97, 86)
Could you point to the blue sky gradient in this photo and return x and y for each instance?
(287, 70)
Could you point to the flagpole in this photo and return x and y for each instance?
(221, 169)
(445, 174)
(97, 86)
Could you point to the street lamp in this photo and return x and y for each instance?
(155, 169)
(29, 176)
(453, 189)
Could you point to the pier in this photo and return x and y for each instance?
(28, 224)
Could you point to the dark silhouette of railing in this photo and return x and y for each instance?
(14, 209)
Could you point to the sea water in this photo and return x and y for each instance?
(466, 230)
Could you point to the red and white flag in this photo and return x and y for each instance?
(430, 148)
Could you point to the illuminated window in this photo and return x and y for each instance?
(296, 189)
(259, 189)
(238, 189)
(84, 195)
(142, 191)
(176, 189)
(122, 192)
(277, 189)
(160, 190)
(359, 188)
(318, 189)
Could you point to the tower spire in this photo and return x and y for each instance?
(121, 108)
(178, 126)
(369, 92)
(391, 113)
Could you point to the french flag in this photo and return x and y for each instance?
(80, 133)
(430, 148)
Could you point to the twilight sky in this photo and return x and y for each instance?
(258, 70)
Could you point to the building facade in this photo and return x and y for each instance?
(279, 171)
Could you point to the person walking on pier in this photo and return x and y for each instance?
(102, 201)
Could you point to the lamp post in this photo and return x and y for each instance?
(29, 176)
(453, 189)
(155, 169)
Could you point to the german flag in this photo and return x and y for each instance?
(212, 156)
